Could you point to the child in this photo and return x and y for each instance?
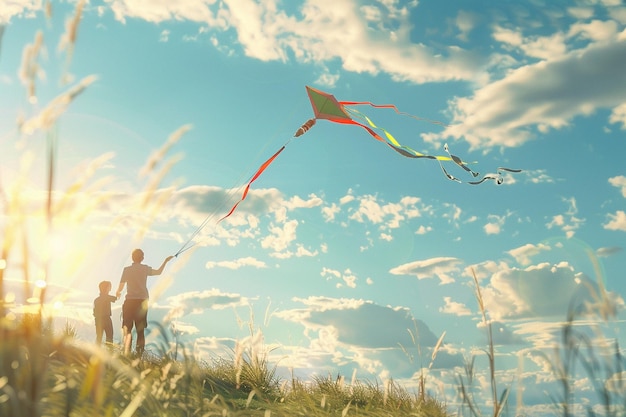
(102, 313)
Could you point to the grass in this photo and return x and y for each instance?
(45, 374)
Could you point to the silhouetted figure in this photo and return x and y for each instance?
(135, 308)
(102, 313)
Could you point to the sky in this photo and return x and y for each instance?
(345, 257)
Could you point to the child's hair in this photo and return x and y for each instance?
(104, 286)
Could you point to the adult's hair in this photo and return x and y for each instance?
(137, 255)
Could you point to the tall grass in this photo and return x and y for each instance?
(577, 355)
(51, 375)
(498, 400)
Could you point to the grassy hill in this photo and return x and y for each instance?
(48, 374)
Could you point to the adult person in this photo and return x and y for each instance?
(135, 308)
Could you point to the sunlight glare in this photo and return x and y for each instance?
(58, 243)
(9, 298)
(40, 285)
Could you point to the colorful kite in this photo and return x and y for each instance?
(326, 107)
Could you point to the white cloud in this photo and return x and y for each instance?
(301, 251)
(495, 224)
(387, 215)
(615, 383)
(606, 252)
(580, 12)
(619, 14)
(26, 8)
(540, 291)
(280, 238)
(544, 95)
(568, 222)
(237, 263)
(501, 334)
(595, 30)
(538, 176)
(619, 182)
(157, 11)
(346, 277)
(359, 323)
(618, 115)
(198, 203)
(542, 47)
(440, 267)
(465, 22)
(297, 202)
(422, 230)
(196, 302)
(184, 328)
(523, 254)
(617, 221)
(492, 228)
(452, 307)
(362, 40)
(347, 198)
(329, 212)
(485, 269)
(454, 214)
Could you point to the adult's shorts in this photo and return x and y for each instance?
(135, 313)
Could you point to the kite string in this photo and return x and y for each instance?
(391, 106)
(233, 190)
(229, 197)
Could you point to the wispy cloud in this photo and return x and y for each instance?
(606, 252)
(197, 302)
(568, 222)
(345, 278)
(236, 263)
(441, 268)
(523, 254)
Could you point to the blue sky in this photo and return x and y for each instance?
(343, 247)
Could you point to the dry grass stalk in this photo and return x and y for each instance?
(68, 39)
(30, 70)
(498, 403)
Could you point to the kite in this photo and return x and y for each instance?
(327, 107)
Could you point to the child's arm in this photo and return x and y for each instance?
(118, 294)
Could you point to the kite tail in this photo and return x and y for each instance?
(304, 128)
(254, 177)
(460, 162)
(497, 177)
